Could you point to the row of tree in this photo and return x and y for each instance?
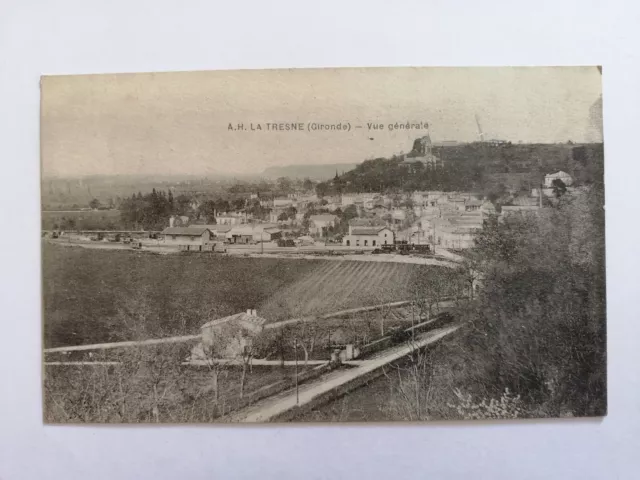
(471, 167)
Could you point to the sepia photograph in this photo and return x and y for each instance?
(402, 244)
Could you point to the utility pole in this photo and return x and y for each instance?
(295, 352)
(413, 328)
(540, 196)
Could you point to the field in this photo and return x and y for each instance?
(337, 285)
(93, 296)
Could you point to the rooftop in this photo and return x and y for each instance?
(367, 230)
(195, 230)
(524, 202)
(323, 218)
(217, 228)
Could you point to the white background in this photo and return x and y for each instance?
(66, 36)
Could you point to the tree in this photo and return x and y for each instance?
(559, 188)
(208, 210)
(540, 315)
(222, 205)
(322, 189)
(349, 213)
(308, 184)
(306, 334)
(94, 204)
(238, 204)
(285, 185)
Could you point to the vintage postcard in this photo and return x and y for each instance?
(323, 245)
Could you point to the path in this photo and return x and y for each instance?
(272, 407)
(141, 343)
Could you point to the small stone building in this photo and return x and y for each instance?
(192, 236)
(231, 336)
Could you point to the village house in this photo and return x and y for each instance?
(274, 214)
(333, 206)
(179, 221)
(372, 203)
(560, 175)
(266, 202)
(373, 237)
(456, 237)
(240, 235)
(307, 199)
(232, 336)
(320, 223)
(249, 234)
(432, 198)
(231, 218)
(458, 232)
(452, 228)
(266, 233)
(356, 198)
(219, 232)
(283, 202)
(472, 205)
(398, 215)
(458, 202)
(521, 205)
(198, 236)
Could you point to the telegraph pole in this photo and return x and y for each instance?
(295, 352)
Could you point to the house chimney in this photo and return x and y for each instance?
(172, 220)
(253, 313)
(249, 311)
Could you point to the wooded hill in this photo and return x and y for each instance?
(478, 167)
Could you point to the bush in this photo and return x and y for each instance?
(507, 406)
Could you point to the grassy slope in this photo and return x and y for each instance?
(96, 296)
(89, 295)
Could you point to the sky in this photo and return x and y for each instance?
(178, 123)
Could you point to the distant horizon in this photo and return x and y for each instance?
(231, 175)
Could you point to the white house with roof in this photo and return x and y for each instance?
(283, 202)
(232, 218)
(356, 198)
(320, 223)
(560, 175)
(374, 236)
(230, 337)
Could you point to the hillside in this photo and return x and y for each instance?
(480, 167)
(314, 172)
